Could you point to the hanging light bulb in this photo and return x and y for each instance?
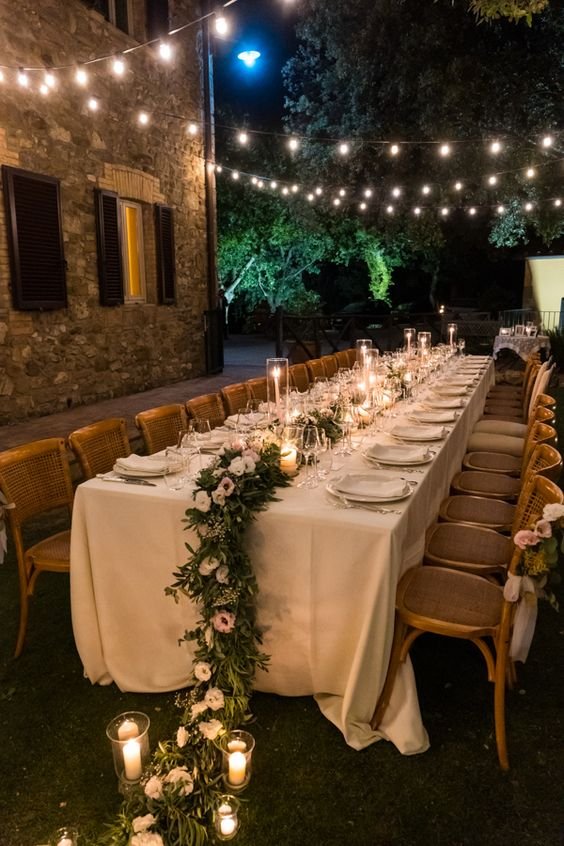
(492, 180)
(458, 186)
(274, 185)
(362, 206)
(396, 192)
(293, 144)
(118, 66)
(23, 78)
(44, 89)
(471, 211)
(394, 149)
(495, 147)
(165, 51)
(528, 207)
(368, 193)
(417, 211)
(319, 191)
(143, 118)
(80, 76)
(445, 211)
(344, 148)
(50, 79)
(235, 175)
(243, 138)
(311, 197)
(295, 189)
(530, 173)
(500, 209)
(558, 202)
(336, 201)
(221, 25)
(218, 169)
(260, 184)
(390, 209)
(445, 150)
(342, 192)
(192, 129)
(254, 180)
(92, 104)
(285, 190)
(547, 141)
(1, 76)
(426, 189)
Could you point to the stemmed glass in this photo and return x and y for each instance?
(175, 476)
(325, 456)
(188, 448)
(310, 449)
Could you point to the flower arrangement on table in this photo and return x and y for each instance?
(326, 419)
(174, 801)
(541, 547)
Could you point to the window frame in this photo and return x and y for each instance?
(127, 297)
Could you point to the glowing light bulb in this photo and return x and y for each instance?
(390, 209)
(210, 167)
(547, 141)
(295, 189)
(1, 76)
(362, 206)
(23, 78)
(458, 186)
(344, 149)
(274, 185)
(492, 180)
(243, 138)
(495, 147)
(44, 89)
(285, 190)
(260, 184)
(293, 144)
(396, 192)
(342, 192)
(249, 57)
(118, 66)
(192, 129)
(50, 79)
(426, 189)
(471, 211)
(501, 209)
(254, 180)
(336, 201)
(165, 51)
(394, 149)
(218, 169)
(221, 25)
(235, 175)
(558, 202)
(319, 191)
(445, 150)
(311, 197)
(528, 207)
(81, 77)
(530, 173)
(143, 118)
(92, 104)
(444, 211)
(417, 211)
(368, 193)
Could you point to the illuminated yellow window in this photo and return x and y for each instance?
(133, 256)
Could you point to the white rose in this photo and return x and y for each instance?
(181, 774)
(181, 737)
(146, 838)
(207, 566)
(214, 698)
(553, 511)
(222, 574)
(197, 709)
(143, 823)
(250, 465)
(154, 788)
(237, 466)
(210, 729)
(202, 501)
(218, 497)
(202, 671)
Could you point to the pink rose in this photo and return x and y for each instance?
(223, 621)
(227, 486)
(543, 528)
(525, 538)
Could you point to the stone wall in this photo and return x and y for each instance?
(52, 360)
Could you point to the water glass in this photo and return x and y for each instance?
(175, 477)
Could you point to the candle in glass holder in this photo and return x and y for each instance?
(276, 377)
(237, 768)
(226, 817)
(288, 458)
(132, 760)
(127, 730)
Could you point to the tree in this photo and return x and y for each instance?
(513, 10)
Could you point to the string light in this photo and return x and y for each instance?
(285, 190)
(336, 201)
(492, 180)
(344, 148)
(342, 192)
(390, 209)
(80, 77)
(243, 138)
(558, 202)
(1, 76)
(44, 89)
(396, 192)
(295, 189)
(49, 80)
(118, 66)
(528, 207)
(495, 147)
(23, 78)
(458, 186)
(235, 175)
(221, 25)
(311, 197)
(362, 206)
(260, 184)
(417, 211)
(218, 169)
(368, 193)
(394, 149)
(274, 184)
(319, 191)
(143, 118)
(547, 141)
(254, 180)
(500, 209)
(192, 129)
(444, 211)
(426, 189)
(471, 211)
(92, 104)
(293, 144)
(530, 173)
(165, 51)
(444, 150)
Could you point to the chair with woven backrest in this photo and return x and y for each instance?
(514, 407)
(315, 369)
(544, 409)
(235, 397)
(35, 478)
(207, 407)
(259, 388)
(342, 357)
(351, 354)
(464, 605)
(494, 513)
(161, 426)
(503, 391)
(99, 445)
(330, 364)
(299, 377)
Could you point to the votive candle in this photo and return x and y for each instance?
(237, 768)
(132, 760)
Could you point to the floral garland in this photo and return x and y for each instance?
(172, 805)
(324, 418)
(542, 546)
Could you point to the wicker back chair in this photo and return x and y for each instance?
(35, 478)
(351, 354)
(160, 426)
(330, 364)
(299, 377)
(466, 606)
(259, 389)
(235, 397)
(315, 369)
(342, 357)
(99, 445)
(207, 407)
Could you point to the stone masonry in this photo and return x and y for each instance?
(53, 360)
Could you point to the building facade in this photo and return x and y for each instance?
(103, 228)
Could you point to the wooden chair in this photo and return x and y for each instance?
(299, 377)
(315, 369)
(235, 397)
(466, 606)
(351, 353)
(207, 407)
(259, 388)
(97, 446)
(35, 478)
(330, 365)
(342, 357)
(160, 426)
(480, 459)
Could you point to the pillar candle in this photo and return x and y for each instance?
(128, 729)
(132, 760)
(237, 768)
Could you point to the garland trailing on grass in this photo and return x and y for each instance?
(173, 804)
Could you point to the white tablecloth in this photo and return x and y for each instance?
(327, 579)
(523, 345)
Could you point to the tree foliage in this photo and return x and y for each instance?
(513, 10)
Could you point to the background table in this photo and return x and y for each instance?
(327, 579)
(523, 345)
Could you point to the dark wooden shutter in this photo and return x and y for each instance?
(166, 265)
(108, 228)
(35, 236)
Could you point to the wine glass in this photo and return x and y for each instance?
(310, 447)
(325, 455)
(175, 478)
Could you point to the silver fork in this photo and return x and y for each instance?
(342, 502)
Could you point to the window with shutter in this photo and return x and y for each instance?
(166, 265)
(108, 226)
(35, 237)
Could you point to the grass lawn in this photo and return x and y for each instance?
(308, 787)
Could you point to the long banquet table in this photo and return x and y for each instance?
(327, 578)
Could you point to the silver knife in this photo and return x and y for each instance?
(125, 481)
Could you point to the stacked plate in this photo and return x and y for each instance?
(398, 454)
(141, 466)
(369, 487)
(419, 433)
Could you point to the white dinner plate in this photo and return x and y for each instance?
(139, 474)
(416, 438)
(376, 484)
(390, 462)
(368, 499)
(397, 454)
(454, 402)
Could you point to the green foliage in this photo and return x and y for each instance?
(513, 10)
(509, 229)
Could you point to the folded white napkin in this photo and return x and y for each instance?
(448, 391)
(397, 452)
(434, 416)
(148, 464)
(250, 420)
(458, 382)
(371, 484)
(453, 402)
(421, 433)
